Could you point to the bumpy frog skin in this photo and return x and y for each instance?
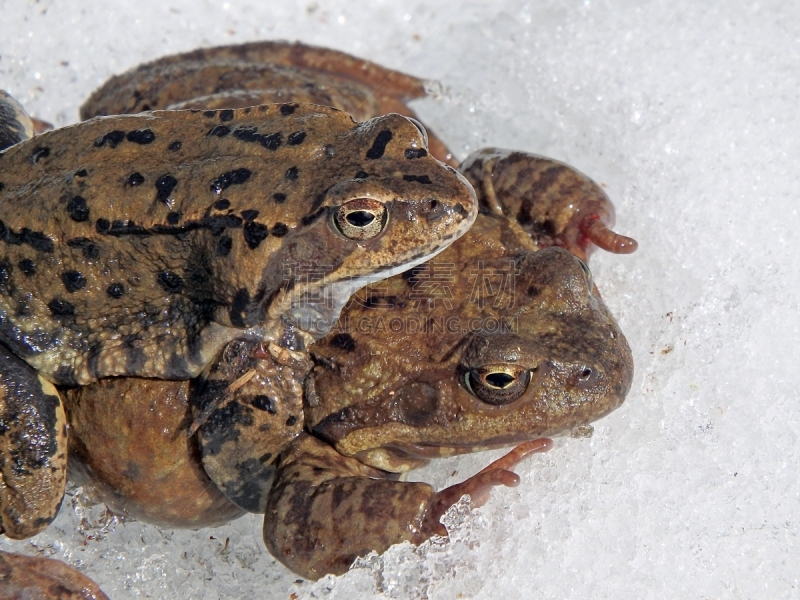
(316, 452)
(148, 242)
(155, 239)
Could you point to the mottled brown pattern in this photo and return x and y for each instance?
(33, 449)
(36, 578)
(556, 204)
(396, 400)
(379, 399)
(326, 509)
(263, 73)
(129, 280)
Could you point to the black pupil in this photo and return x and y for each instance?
(499, 380)
(360, 218)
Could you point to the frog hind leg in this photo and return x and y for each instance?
(326, 509)
(554, 203)
(33, 449)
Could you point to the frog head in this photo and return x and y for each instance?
(381, 205)
(552, 360)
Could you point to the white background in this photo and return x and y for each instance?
(687, 114)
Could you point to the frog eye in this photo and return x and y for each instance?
(422, 130)
(497, 385)
(361, 219)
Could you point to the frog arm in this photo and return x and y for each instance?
(33, 449)
(553, 202)
(325, 509)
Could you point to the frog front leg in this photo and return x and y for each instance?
(33, 449)
(554, 203)
(326, 509)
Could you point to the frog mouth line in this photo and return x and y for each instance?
(410, 450)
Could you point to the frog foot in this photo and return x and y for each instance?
(325, 509)
(554, 203)
(480, 485)
(602, 236)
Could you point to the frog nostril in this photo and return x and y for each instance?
(585, 374)
(500, 380)
(360, 218)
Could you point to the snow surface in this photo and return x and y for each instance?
(687, 113)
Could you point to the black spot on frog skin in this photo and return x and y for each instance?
(218, 224)
(224, 246)
(73, 281)
(174, 146)
(291, 173)
(170, 282)
(296, 138)
(35, 239)
(379, 145)
(209, 113)
(247, 134)
(39, 153)
(279, 230)
(219, 131)
(60, 308)
(78, 210)
(115, 290)
(164, 186)
(235, 177)
(271, 141)
(343, 341)
(291, 421)
(81, 173)
(141, 136)
(238, 308)
(2, 186)
(288, 109)
(279, 198)
(27, 266)
(112, 139)
(65, 375)
(223, 204)
(249, 215)
(418, 178)
(135, 179)
(226, 115)
(89, 248)
(102, 225)
(362, 175)
(174, 218)
(412, 153)
(262, 402)
(254, 234)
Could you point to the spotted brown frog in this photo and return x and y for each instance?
(494, 342)
(382, 401)
(148, 242)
